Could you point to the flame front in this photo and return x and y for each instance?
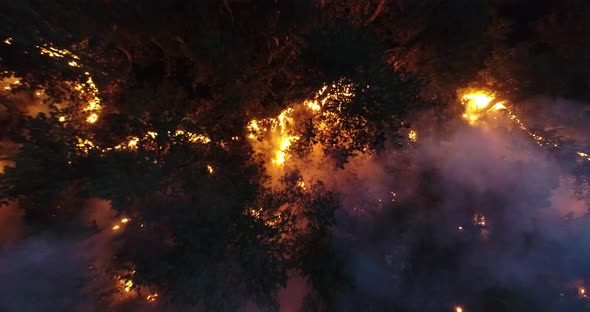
(279, 134)
(477, 104)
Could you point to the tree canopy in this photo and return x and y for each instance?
(195, 121)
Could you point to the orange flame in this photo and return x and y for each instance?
(151, 298)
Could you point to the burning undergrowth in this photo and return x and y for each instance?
(348, 211)
(485, 214)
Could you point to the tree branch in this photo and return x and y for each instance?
(378, 11)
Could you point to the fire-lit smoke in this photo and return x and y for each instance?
(478, 105)
(490, 188)
(488, 203)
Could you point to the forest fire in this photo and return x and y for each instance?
(294, 156)
(477, 106)
(56, 53)
(279, 133)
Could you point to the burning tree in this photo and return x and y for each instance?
(234, 144)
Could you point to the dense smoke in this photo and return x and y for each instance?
(495, 213)
(241, 155)
(47, 272)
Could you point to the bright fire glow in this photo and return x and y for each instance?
(151, 298)
(119, 225)
(152, 134)
(301, 184)
(128, 284)
(92, 118)
(475, 104)
(458, 309)
(413, 135)
(57, 53)
(133, 142)
(193, 137)
(279, 134)
(88, 90)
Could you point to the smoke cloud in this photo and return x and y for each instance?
(492, 215)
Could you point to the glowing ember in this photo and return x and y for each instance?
(210, 169)
(57, 53)
(193, 137)
(8, 40)
(479, 219)
(133, 142)
(88, 90)
(152, 134)
(128, 284)
(270, 221)
(123, 221)
(255, 213)
(198, 138)
(458, 309)
(92, 118)
(151, 298)
(301, 184)
(62, 119)
(313, 105)
(582, 291)
(85, 145)
(413, 135)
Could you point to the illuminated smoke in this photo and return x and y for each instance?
(484, 180)
(477, 106)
